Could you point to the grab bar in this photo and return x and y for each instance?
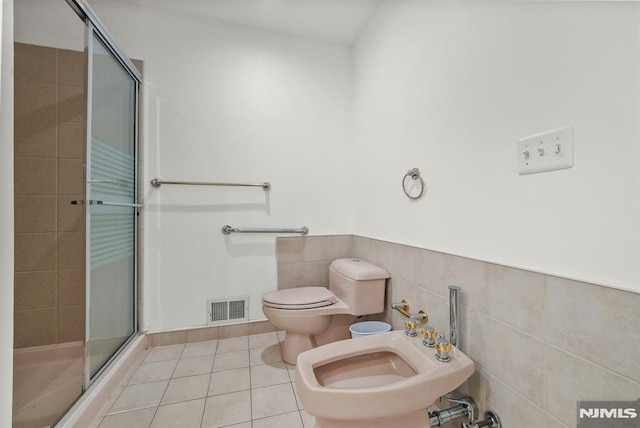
(228, 230)
(156, 182)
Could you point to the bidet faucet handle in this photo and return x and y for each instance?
(410, 326)
(421, 316)
(443, 347)
(429, 333)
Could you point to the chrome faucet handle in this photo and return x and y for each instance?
(429, 333)
(410, 326)
(443, 347)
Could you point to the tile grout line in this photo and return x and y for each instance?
(206, 397)
(167, 387)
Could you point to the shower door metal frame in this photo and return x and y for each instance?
(94, 27)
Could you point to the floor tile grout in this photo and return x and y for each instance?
(270, 378)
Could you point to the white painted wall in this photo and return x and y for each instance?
(53, 24)
(228, 103)
(447, 87)
(6, 211)
(450, 86)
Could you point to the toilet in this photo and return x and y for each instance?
(314, 316)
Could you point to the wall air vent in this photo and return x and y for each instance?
(227, 310)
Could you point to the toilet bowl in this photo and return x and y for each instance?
(314, 316)
(383, 380)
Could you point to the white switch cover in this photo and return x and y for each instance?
(546, 151)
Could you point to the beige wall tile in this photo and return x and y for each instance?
(71, 287)
(70, 217)
(476, 387)
(35, 63)
(289, 249)
(594, 322)
(475, 335)
(517, 297)
(35, 138)
(516, 358)
(229, 331)
(365, 249)
(71, 106)
(70, 177)
(35, 213)
(289, 275)
(513, 409)
(71, 250)
(71, 67)
(168, 338)
(201, 334)
(35, 327)
(470, 276)
(36, 101)
(35, 176)
(35, 290)
(436, 306)
(315, 274)
(570, 378)
(554, 423)
(70, 323)
(35, 251)
(261, 327)
(430, 272)
(401, 261)
(402, 289)
(38, 173)
(71, 140)
(331, 247)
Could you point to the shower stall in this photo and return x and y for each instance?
(76, 206)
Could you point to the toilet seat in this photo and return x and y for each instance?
(299, 298)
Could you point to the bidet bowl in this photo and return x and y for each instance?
(376, 377)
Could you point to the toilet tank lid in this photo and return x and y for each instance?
(359, 270)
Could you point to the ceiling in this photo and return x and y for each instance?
(335, 21)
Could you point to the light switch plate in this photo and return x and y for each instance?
(547, 151)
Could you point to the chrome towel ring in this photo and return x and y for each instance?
(414, 173)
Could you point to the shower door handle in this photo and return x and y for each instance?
(115, 204)
(109, 204)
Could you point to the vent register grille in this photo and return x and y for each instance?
(220, 311)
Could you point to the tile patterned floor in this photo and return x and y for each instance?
(239, 382)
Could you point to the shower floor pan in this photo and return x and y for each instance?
(46, 381)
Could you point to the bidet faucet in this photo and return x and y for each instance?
(411, 322)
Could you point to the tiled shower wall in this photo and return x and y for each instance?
(49, 231)
(539, 342)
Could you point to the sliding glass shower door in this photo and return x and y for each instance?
(112, 204)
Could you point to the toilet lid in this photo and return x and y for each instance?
(299, 298)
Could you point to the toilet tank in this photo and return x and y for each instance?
(359, 284)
